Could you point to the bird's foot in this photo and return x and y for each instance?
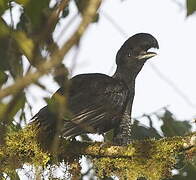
(122, 141)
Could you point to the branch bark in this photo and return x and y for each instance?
(100, 150)
(132, 161)
(57, 57)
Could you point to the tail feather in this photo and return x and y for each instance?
(46, 123)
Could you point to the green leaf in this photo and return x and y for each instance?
(26, 44)
(35, 9)
(4, 29)
(191, 6)
(4, 32)
(10, 56)
(3, 6)
(172, 127)
(4, 60)
(3, 78)
(12, 45)
(16, 104)
(140, 131)
(22, 2)
(2, 109)
(19, 104)
(81, 5)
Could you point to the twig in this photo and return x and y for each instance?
(57, 56)
(53, 18)
(152, 113)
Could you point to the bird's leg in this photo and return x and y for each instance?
(122, 134)
(108, 139)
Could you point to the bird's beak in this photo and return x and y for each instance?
(146, 55)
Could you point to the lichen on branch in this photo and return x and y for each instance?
(151, 158)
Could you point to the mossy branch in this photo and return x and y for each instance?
(140, 158)
(141, 148)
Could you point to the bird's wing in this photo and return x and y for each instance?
(96, 101)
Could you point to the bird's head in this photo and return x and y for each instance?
(136, 50)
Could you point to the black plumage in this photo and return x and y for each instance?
(99, 102)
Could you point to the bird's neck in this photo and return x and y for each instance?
(127, 75)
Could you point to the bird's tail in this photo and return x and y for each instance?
(45, 123)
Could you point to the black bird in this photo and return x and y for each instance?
(97, 101)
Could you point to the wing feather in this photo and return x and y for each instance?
(97, 104)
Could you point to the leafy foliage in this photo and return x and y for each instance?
(191, 7)
(172, 127)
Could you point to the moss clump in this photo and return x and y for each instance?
(21, 147)
(152, 159)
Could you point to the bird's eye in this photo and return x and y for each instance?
(129, 54)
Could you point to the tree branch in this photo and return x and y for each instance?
(99, 150)
(57, 57)
(133, 160)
